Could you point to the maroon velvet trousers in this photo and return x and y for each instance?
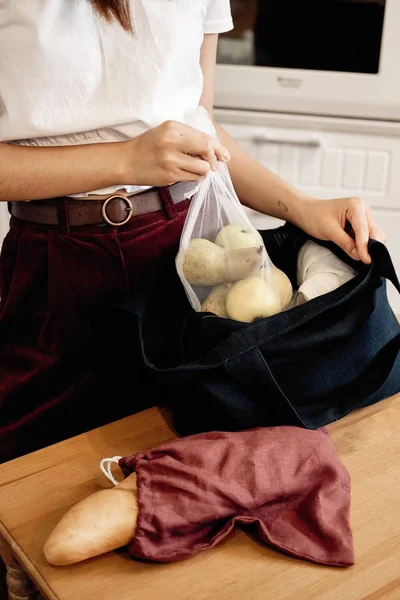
(58, 376)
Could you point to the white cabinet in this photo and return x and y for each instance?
(328, 158)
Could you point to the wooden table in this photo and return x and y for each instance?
(37, 489)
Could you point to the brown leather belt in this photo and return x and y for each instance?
(115, 209)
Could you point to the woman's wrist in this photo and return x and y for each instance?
(122, 160)
(295, 207)
(282, 200)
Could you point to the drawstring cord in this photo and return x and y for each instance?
(105, 466)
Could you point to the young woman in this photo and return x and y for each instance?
(96, 160)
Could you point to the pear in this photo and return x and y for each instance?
(104, 521)
(207, 264)
(281, 281)
(252, 298)
(234, 236)
(216, 300)
(284, 285)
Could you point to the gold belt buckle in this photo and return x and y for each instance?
(128, 209)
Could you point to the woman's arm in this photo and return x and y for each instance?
(256, 186)
(164, 155)
(266, 192)
(261, 189)
(28, 173)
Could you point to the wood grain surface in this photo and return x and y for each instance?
(37, 489)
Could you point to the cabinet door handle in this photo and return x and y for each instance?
(310, 141)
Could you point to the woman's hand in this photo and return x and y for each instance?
(345, 221)
(170, 153)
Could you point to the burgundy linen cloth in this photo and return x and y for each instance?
(58, 374)
(285, 485)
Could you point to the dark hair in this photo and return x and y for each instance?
(114, 10)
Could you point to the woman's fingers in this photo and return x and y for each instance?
(343, 240)
(221, 152)
(193, 168)
(357, 216)
(197, 143)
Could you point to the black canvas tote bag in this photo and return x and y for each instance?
(307, 366)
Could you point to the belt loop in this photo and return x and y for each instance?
(63, 215)
(169, 205)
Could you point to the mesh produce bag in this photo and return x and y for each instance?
(222, 261)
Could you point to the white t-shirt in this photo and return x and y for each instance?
(69, 77)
